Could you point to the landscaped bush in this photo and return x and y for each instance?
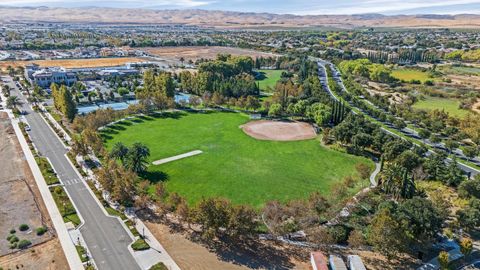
(12, 231)
(41, 230)
(23, 244)
(23, 227)
(13, 245)
(158, 266)
(12, 238)
(140, 244)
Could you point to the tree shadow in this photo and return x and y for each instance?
(137, 120)
(117, 127)
(155, 176)
(250, 253)
(165, 115)
(260, 75)
(125, 123)
(143, 118)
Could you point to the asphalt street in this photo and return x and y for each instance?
(105, 237)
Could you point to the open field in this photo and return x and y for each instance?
(74, 63)
(232, 165)
(449, 105)
(21, 203)
(407, 75)
(196, 52)
(270, 78)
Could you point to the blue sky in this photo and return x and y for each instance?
(301, 7)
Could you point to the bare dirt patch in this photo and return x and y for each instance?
(279, 130)
(476, 106)
(196, 52)
(192, 255)
(21, 203)
(74, 63)
(48, 255)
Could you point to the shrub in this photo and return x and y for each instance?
(13, 245)
(12, 231)
(41, 230)
(23, 244)
(23, 227)
(140, 244)
(158, 266)
(12, 238)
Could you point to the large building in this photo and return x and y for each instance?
(44, 77)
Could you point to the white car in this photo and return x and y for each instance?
(27, 128)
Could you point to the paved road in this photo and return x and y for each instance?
(322, 65)
(106, 238)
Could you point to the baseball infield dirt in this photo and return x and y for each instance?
(279, 130)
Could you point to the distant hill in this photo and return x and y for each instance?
(228, 19)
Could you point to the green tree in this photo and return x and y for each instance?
(470, 151)
(443, 260)
(275, 110)
(119, 151)
(420, 219)
(386, 234)
(136, 158)
(466, 246)
(13, 102)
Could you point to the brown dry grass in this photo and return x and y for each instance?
(196, 52)
(48, 255)
(74, 63)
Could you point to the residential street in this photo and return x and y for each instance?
(106, 238)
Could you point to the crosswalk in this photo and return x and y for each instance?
(69, 182)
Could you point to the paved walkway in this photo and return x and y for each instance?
(373, 181)
(177, 157)
(68, 247)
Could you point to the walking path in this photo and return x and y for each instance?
(373, 181)
(68, 247)
(177, 157)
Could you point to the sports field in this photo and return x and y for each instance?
(233, 164)
(270, 78)
(411, 74)
(449, 105)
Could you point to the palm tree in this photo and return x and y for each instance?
(137, 157)
(6, 90)
(119, 151)
(13, 102)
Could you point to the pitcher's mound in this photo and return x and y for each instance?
(279, 131)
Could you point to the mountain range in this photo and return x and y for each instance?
(230, 19)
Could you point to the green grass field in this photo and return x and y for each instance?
(233, 165)
(411, 74)
(271, 78)
(449, 105)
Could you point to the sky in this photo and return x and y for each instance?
(299, 7)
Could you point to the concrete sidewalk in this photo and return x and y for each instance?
(68, 247)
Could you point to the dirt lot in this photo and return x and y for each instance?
(193, 256)
(20, 201)
(196, 52)
(48, 255)
(74, 63)
(279, 131)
